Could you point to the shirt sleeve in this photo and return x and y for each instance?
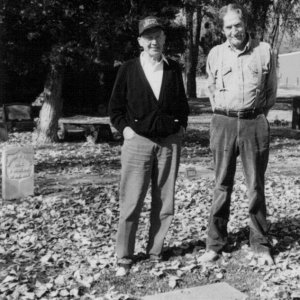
(184, 111)
(271, 82)
(118, 101)
(211, 76)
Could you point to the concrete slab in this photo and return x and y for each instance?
(216, 291)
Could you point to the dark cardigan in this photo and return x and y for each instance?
(134, 104)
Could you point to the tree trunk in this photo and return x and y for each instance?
(2, 70)
(264, 19)
(280, 20)
(283, 26)
(193, 35)
(51, 109)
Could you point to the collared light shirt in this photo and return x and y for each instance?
(154, 72)
(233, 77)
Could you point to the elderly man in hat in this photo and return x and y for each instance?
(148, 106)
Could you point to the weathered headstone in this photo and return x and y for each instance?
(17, 172)
(191, 172)
(216, 291)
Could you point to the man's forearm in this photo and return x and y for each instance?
(211, 95)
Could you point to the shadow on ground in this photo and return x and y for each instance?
(284, 231)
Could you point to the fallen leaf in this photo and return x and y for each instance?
(64, 293)
(60, 280)
(173, 280)
(8, 279)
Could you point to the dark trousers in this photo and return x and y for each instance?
(248, 138)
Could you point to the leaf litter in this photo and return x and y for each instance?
(59, 244)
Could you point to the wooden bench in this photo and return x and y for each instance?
(95, 129)
(291, 103)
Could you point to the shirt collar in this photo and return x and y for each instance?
(145, 62)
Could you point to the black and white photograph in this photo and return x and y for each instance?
(150, 150)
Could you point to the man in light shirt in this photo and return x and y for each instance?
(242, 82)
(148, 106)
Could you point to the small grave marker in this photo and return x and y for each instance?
(191, 173)
(17, 172)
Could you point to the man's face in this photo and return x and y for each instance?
(234, 29)
(152, 41)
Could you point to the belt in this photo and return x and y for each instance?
(241, 114)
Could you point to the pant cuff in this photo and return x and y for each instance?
(125, 261)
(260, 248)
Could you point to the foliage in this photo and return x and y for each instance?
(282, 18)
(47, 32)
(40, 33)
(61, 241)
(74, 33)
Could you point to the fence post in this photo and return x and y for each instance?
(296, 113)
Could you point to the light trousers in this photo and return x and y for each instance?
(146, 161)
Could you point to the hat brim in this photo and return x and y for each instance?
(150, 28)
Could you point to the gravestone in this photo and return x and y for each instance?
(17, 172)
(191, 172)
(216, 291)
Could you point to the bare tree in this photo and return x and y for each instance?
(283, 17)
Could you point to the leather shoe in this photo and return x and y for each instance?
(123, 270)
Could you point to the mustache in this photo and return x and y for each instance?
(237, 36)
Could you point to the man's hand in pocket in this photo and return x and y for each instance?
(128, 133)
